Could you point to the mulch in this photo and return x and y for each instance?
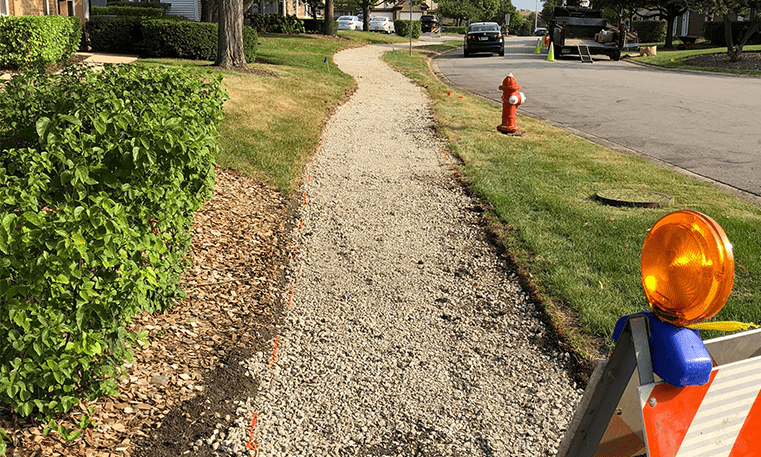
(749, 61)
(185, 380)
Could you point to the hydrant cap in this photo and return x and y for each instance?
(510, 83)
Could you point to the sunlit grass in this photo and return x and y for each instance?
(581, 254)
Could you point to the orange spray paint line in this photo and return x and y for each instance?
(274, 353)
(251, 444)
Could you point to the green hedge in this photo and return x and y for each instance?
(273, 23)
(162, 6)
(714, 32)
(403, 28)
(456, 29)
(165, 37)
(314, 25)
(125, 11)
(650, 31)
(115, 35)
(100, 175)
(38, 40)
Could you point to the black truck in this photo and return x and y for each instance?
(584, 32)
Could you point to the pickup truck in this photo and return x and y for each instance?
(583, 32)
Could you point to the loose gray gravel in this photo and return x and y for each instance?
(406, 333)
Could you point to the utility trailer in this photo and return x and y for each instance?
(584, 32)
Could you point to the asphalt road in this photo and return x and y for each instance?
(701, 124)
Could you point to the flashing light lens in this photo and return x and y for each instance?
(687, 267)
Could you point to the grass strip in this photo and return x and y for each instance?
(677, 59)
(582, 256)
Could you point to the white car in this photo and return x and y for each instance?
(349, 23)
(382, 24)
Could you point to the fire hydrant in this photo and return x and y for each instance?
(511, 99)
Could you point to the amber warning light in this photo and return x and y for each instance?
(687, 267)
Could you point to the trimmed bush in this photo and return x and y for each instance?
(186, 40)
(403, 28)
(650, 31)
(38, 41)
(125, 11)
(164, 7)
(314, 25)
(100, 175)
(714, 32)
(166, 37)
(456, 29)
(115, 34)
(273, 23)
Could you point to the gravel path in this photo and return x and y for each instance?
(405, 333)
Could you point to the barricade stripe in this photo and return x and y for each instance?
(722, 412)
(748, 441)
(667, 423)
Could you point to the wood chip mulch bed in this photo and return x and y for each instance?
(183, 383)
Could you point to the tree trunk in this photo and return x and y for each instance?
(329, 17)
(230, 42)
(669, 31)
(732, 51)
(209, 10)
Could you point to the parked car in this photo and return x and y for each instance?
(484, 37)
(349, 23)
(382, 24)
(428, 23)
(540, 31)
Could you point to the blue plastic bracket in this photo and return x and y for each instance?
(678, 354)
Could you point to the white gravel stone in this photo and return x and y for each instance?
(407, 334)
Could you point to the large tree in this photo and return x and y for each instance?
(230, 53)
(726, 8)
(476, 10)
(668, 10)
(329, 18)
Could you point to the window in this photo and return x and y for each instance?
(3, 7)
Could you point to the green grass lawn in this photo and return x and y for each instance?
(581, 256)
(674, 58)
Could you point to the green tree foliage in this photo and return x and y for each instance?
(725, 8)
(476, 10)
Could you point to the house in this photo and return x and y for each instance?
(391, 9)
(191, 9)
(78, 8)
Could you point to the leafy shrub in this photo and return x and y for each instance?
(714, 32)
(187, 40)
(164, 7)
(314, 25)
(100, 174)
(125, 11)
(272, 23)
(456, 29)
(166, 37)
(114, 34)
(403, 28)
(650, 31)
(38, 40)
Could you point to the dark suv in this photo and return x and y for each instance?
(429, 22)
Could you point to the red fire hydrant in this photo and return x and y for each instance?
(511, 99)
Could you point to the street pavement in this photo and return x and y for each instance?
(704, 125)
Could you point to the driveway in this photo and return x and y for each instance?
(703, 124)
